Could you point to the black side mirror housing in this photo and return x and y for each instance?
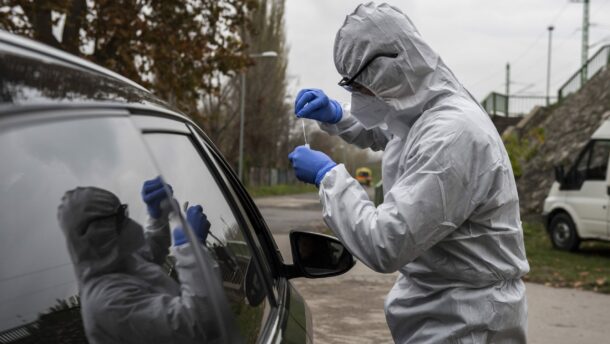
(317, 256)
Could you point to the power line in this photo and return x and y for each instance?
(601, 7)
(5, 279)
(527, 50)
(489, 77)
(565, 6)
(556, 48)
(542, 34)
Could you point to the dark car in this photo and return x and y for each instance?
(64, 123)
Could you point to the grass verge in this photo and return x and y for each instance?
(282, 189)
(586, 269)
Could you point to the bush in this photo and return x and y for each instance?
(521, 150)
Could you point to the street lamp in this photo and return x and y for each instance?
(548, 66)
(242, 105)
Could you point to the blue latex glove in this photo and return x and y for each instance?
(153, 193)
(312, 103)
(198, 222)
(309, 165)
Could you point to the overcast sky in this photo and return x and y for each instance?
(476, 38)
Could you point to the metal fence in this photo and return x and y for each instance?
(516, 105)
(594, 65)
(259, 176)
(496, 104)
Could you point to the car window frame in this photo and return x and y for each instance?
(594, 144)
(229, 193)
(250, 212)
(250, 209)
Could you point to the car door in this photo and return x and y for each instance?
(195, 181)
(45, 154)
(291, 319)
(587, 192)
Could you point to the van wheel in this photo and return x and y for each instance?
(563, 233)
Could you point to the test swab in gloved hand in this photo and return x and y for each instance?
(304, 133)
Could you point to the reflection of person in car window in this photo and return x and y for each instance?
(125, 295)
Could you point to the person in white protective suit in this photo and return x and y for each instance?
(125, 295)
(449, 222)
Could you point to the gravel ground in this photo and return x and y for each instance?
(348, 309)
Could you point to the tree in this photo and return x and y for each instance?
(178, 48)
(268, 114)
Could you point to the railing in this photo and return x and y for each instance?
(594, 65)
(496, 104)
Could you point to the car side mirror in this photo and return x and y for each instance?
(560, 176)
(317, 255)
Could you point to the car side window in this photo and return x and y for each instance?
(43, 265)
(598, 163)
(185, 170)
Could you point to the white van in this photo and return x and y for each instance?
(577, 206)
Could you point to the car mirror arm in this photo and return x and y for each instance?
(292, 271)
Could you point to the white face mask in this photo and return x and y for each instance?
(370, 111)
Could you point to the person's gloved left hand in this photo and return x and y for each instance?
(153, 194)
(310, 166)
(198, 222)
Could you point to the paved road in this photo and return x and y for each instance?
(349, 308)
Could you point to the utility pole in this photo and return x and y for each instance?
(584, 52)
(507, 87)
(548, 67)
(585, 41)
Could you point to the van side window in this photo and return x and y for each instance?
(578, 173)
(598, 162)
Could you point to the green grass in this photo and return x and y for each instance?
(282, 189)
(587, 269)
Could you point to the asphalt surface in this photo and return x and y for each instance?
(349, 308)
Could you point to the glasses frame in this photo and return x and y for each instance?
(346, 82)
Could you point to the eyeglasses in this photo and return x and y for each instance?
(121, 213)
(350, 85)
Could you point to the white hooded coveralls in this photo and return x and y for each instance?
(450, 218)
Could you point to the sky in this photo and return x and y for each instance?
(475, 38)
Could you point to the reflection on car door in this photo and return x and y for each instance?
(192, 180)
(40, 299)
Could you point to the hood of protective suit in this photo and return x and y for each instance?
(407, 84)
(98, 237)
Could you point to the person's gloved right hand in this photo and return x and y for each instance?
(198, 222)
(310, 166)
(312, 103)
(153, 194)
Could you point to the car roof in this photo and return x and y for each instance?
(34, 74)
